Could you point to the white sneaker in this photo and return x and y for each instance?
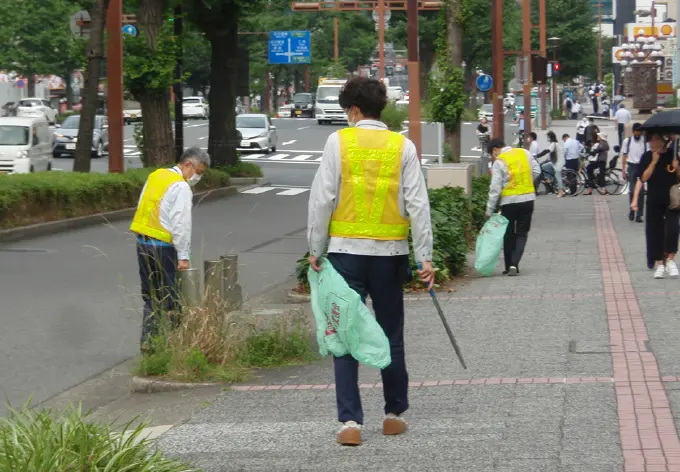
(672, 269)
(660, 271)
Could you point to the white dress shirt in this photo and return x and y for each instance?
(413, 202)
(572, 149)
(623, 116)
(175, 215)
(533, 149)
(633, 149)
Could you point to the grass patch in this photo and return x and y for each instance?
(212, 345)
(49, 196)
(470, 114)
(244, 169)
(42, 441)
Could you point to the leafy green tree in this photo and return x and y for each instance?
(196, 60)
(220, 21)
(36, 37)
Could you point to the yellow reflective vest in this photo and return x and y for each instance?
(521, 179)
(146, 221)
(369, 197)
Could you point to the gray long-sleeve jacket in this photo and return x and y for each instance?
(500, 177)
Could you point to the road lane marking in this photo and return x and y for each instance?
(318, 159)
(278, 157)
(301, 157)
(253, 156)
(304, 127)
(293, 191)
(257, 190)
(203, 137)
(289, 142)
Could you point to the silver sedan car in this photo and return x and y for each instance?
(258, 133)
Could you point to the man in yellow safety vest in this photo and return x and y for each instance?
(368, 191)
(512, 183)
(162, 226)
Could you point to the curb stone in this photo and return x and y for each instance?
(239, 181)
(147, 385)
(294, 297)
(49, 228)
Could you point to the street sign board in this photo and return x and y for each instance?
(80, 24)
(130, 29)
(20, 83)
(290, 47)
(484, 82)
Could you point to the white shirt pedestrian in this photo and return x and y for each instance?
(623, 116)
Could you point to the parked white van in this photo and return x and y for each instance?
(25, 145)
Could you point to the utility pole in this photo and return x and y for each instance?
(114, 79)
(544, 53)
(599, 42)
(178, 25)
(414, 128)
(526, 53)
(497, 57)
(381, 39)
(336, 47)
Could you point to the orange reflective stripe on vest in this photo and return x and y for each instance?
(521, 179)
(147, 220)
(369, 194)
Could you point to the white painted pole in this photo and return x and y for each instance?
(440, 142)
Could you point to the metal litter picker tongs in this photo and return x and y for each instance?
(446, 325)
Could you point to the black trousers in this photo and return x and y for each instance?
(157, 271)
(620, 128)
(573, 165)
(590, 171)
(662, 228)
(634, 174)
(519, 223)
(382, 278)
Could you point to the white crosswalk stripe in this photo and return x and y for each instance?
(278, 157)
(301, 157)
(279, 191)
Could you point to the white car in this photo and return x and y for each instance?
(196, 107)
(37, 108)
(486, 111)
(285, 111)
(258, 133)
(25, 145)
(509, 100)
(395, 93)
(132, 115)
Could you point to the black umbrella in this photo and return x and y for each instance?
(664, 122)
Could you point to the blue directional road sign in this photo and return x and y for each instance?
(130, 29)
(289, 47)
(484, 82)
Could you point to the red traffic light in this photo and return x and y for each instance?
(557, 66)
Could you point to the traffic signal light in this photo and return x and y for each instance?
(556, 68)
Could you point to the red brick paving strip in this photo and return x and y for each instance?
(649, 440)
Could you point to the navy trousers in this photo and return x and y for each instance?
(381, 277)
(157, 271)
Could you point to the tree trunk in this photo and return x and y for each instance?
(31, 84)
(155, 103)
(455, 46)
(95, 48)
(158, 142)
(223, 138)
(68, 81)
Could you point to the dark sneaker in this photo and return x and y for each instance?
(638, 219)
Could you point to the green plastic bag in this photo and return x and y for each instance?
(344, 325)
(489, 244)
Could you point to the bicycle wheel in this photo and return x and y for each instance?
(623, 183)
(572, 184)
(613, 182)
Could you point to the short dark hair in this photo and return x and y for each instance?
(637, 126)
(368, 95)
(565, 135)
(533, 136)
(495, 143)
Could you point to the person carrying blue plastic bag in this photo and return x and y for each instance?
(513, 174)
(368, 191)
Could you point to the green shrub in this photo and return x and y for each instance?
(393, 116)
(48, 196)
(470, 114)
(556, 114)
(244, 169)
(456, 220)
(42, 441)
(275, 349)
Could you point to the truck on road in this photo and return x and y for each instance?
(327, 107)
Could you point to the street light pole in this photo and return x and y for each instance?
(526, 52)
(497, 57)
(544, 53)
(381, 39)
(178, 25)
(599, 43)
(336, 47)
(414, 129)
(114, 80)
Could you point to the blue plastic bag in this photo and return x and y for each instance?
(344, 325)
(489, 244)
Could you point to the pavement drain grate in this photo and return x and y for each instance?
(589, 349)
(23, 250)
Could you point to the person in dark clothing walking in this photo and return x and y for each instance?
(660, 169)
(633, 149)
(597, 160)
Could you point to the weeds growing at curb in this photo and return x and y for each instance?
(211, 344)
(43, 441)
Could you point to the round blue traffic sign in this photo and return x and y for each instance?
(130, 29)
(20, 83)
(484, 82)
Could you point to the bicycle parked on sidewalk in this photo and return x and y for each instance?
(546, 184)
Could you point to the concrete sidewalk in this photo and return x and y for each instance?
(565, 372)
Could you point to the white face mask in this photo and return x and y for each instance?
(194, 179)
